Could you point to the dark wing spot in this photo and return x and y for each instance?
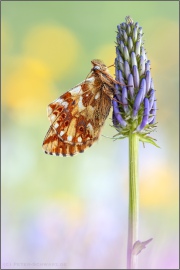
(81, 129)
(60, 109)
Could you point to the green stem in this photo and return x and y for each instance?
(132, 260)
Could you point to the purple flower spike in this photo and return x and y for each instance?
(134, 104)
(145, 115)
(117, 114)
(141, 65)
(151, 98)
(148, 81)
(136, 76)
(124, 99)
(133, 59)
(126, 69)
(131, 88)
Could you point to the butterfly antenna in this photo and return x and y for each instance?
(111, 66)
(88, 75)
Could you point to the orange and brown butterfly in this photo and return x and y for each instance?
(77, 116)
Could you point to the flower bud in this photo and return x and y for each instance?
(124, 99)
(117, 116)
(135, 76)
(145, 115)
(126, 69)
(131, 86)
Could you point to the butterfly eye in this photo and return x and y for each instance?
(96, 68)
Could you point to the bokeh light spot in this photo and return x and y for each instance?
(158, 191)
(54, 45)
(27, 86)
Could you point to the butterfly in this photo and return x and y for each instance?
(78, 116)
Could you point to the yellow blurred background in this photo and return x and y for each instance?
(72, 212)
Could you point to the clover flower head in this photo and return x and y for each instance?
(134, 104)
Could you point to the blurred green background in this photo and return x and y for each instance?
(72, 212)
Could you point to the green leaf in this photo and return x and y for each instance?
(147, 139)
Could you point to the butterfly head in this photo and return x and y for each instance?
(98, 65)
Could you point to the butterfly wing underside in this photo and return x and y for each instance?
(76, 119)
